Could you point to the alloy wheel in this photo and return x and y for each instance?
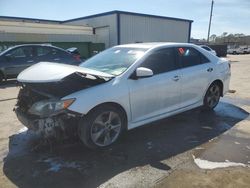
(213, 96)
(106, 128)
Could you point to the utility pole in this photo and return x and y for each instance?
(210, 20)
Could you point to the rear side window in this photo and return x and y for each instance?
(161, 61)
(42, 51)
(190, 57)
(54, 51)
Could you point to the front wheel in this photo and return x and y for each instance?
(212, 97)
(102, 126)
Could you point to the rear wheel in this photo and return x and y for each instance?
(102, 126)
(212, 96)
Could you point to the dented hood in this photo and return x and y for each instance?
(53, 72)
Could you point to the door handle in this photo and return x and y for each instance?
(56, 59)
(176, 78)
(30, 61)
(210, 69)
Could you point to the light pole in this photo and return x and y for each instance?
(210, 20)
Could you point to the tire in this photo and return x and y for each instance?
(102, 126)
(212, 96)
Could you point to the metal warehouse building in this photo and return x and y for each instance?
(110, 28)
(119, 27)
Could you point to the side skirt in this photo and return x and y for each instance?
(162, 116)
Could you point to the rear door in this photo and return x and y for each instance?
(196, 70)
(67, 58)
(159, 94)
(50, 54)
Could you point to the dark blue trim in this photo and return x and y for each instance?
(118, 28)
(189, 32)
(31, 19)
(127, 13)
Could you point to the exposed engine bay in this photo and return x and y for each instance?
(41, 109)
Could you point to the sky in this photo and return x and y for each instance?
(232, 16)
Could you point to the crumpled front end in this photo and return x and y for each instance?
(40, 105)
(59, 124)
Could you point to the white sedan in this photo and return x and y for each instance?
(119, 89)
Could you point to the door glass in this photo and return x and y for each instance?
(54, 52)
(191, 57)
(161, 61)
(42, 51)
(23, 52)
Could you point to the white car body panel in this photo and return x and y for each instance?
(147, 99)
(52, 72)
(197, 78)
(154, 92)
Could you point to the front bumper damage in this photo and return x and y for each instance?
(59, 126)
(62, 124)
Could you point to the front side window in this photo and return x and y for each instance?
(190, 57)
(115, 60)
(22, 52)
(161, 61)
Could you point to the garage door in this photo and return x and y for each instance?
(103, 35)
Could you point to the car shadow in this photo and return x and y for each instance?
(8, 83)
(73, 165)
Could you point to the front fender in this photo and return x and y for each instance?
(88, 99)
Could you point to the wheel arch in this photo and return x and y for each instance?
(220, 84)
(114, 104)
(217, 81)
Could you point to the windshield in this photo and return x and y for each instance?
(114, 60)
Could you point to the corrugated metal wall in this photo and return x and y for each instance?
(109, 21)
(133, 28)
(148, 29)
(29, 37)
(41, 28)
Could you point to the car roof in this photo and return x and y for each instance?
(42, 45)
(204, 46)
(21, 45)
(155, 44)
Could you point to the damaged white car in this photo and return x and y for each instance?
(119, 89)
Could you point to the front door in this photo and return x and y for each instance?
(159, 94)
(19, 59)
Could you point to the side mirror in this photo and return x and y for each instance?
(142, 72)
